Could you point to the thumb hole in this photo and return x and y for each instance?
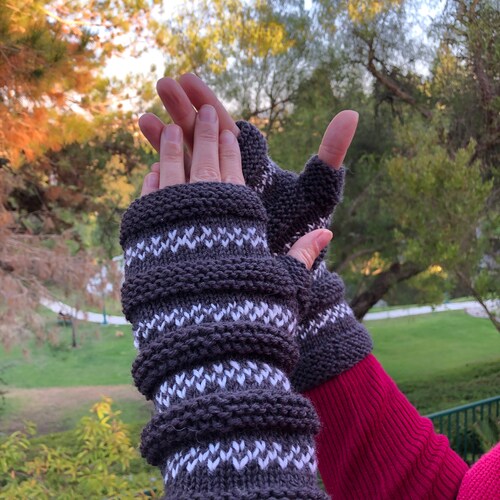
(307, 248)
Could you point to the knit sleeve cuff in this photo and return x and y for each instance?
(373, 439)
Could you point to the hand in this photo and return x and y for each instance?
(215, 158)
(182, 99)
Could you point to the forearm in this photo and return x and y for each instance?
(374, 444)
(213, 316)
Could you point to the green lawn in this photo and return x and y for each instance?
(439, 359)
(100, 359)
(419, 347)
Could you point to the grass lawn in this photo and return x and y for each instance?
(407, 306)
(100, 359)
(439, 360)
(428, 345)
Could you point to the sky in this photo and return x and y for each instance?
(121, 66)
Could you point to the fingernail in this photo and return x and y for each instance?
(172, 133)
(227, 137)
(207, 114)
(323, 238)
(152, 180)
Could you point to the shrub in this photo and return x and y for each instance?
(96, 461)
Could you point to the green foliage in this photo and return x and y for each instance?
(442, 207)
(432, 189)
(254, 53)
(480, 436)
(462, 385)
(97, 463)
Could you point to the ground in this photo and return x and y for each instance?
(439, 360)
(56, 409)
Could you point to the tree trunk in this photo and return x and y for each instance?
(479, 298)
(381, 285)
(73, 333)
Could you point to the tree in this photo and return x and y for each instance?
(52, 54)
(371, 244)
(254, 54)
(441, 202)
(58, 169)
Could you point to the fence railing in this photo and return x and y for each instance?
(472, 429)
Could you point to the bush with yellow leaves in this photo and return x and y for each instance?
(95, 460)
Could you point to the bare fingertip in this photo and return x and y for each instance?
(227, 137)
(324, 237)
(152, 180)
(172, 133)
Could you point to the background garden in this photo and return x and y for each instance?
(419, 223)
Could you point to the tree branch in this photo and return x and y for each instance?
(479, 298)
(381, 285)
(388, 82)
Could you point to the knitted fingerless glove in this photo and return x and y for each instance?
(331, 340)
(214, 317)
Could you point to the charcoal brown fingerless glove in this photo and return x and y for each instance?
(331, 340)
(214, 318)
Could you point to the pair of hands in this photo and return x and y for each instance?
(202, 124)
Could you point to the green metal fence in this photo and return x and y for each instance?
(472, 429)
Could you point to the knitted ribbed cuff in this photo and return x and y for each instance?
(374, 444)
(214, 317)
(331, 339)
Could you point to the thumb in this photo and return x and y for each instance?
(307, 248)
(338, 137)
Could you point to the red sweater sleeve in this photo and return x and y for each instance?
(483, 480)
(374, 444)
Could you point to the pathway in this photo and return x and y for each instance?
(471, 307)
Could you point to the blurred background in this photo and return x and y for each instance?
(417, 237)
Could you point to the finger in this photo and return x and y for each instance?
(150, 183)
(178, 106)
(199, 94)
(151, 126)
(171, 157)
(205, 162)
(155, 167)
(338, 137)
(230, 159)
(308, 248)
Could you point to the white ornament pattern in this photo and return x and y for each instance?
(321, 223)
(266, 178)
(331, 315)
(269, 314)
(191, 237)
(219, 376)
(239, 454)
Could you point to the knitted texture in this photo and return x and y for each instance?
(331, 340)
(374, 444)
(214, 317)
(483, 479)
